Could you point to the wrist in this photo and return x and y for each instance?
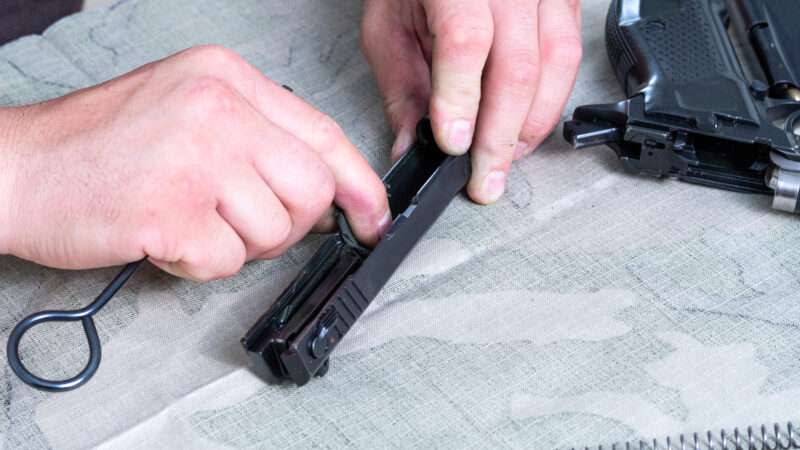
(10, 129)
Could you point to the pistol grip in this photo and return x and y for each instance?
(677, 53)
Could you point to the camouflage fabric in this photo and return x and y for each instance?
(587, 307)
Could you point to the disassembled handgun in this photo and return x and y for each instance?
(294, 339)
(702, 108)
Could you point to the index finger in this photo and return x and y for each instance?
(463, 33)
(359, 190)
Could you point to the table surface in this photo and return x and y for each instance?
(589, 306)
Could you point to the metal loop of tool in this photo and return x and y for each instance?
(85, 316)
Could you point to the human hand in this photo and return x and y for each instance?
(197, 161)
(494, 75)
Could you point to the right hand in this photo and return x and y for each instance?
(197, 162)
(494, 75)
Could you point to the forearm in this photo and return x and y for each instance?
(10, 132)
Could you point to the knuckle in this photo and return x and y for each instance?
(500, 148)
(186, 197)
(207, 97)
(327, 133)
(523, 73)
(466, 35)
(565, 53)
(214, 58)
(190, 192)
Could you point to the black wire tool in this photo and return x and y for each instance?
(85, 315)
(294, 339)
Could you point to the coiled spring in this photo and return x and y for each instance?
(763, 438)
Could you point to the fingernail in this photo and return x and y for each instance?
(494, 186)
(385, 224)
(519, 152)
(459, 135)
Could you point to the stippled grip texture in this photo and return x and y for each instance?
(672, 40)
(684, 44)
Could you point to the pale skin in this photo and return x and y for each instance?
(200, 163)
(494, 75)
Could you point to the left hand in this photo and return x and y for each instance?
(494, 75)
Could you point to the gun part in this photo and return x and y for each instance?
(709, 109)
(794, 95)
(294, 339)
